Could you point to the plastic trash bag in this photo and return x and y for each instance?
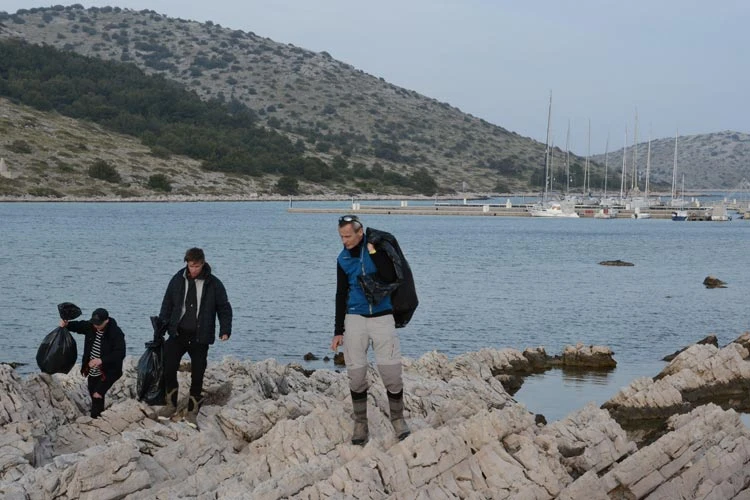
(150, 382)
(68, 311)
(150, 379)
(58, 352)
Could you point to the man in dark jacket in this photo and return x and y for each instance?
(366, 279)
(192, 302)
(103, 353)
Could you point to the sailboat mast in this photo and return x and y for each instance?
(546, 150)
(551, 163)
(648, 164)
(634, 184)
(586, 173)
(682, 192)
(624, 177)
(674, 166)
(567, 160)
(606, 162)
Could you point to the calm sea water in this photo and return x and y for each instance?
(482, 281)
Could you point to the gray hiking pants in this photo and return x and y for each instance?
(380, 331)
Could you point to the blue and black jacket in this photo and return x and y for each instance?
(375, 285)
(354, 266)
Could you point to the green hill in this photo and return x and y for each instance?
(316, 125)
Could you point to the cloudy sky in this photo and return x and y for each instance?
(680, 64)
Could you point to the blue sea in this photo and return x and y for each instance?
(482, 282)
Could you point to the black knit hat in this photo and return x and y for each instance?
(99, 316)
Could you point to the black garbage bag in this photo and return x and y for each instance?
(58, 352)
(68, 311)
(150, 379)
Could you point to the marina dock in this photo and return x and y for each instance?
(489, 210)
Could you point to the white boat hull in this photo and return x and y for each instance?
(554, 210)
(679, 215)
(543, 213)
(637, 214)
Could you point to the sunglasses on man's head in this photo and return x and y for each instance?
(348, 219)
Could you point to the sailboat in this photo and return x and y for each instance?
(680, 214)
(606, 211)
(643, 202)
(550, 208)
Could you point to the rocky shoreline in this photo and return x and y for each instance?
(272, 431)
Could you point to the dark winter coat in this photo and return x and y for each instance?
(112, 350)
(404, 298)
(213, 303)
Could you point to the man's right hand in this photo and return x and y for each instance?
(63, 323)
(338, 340)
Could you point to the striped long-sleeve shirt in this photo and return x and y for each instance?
(96, 353)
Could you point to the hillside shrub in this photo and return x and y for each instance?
(287, 185)
(102, 170)
(159, 182)
(45, 192)
(20, 146)
(423, 182)
(160, 151)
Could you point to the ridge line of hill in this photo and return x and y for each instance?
(335, 112)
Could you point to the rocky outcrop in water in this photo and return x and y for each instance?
(701, 374)
(710, 339)
(713, 282)
(273, 431)
(616, 263)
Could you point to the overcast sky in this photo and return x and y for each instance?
(682, 64)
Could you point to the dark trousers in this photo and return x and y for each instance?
(96, 384)
(174, 349)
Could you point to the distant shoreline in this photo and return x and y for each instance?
(331, 197)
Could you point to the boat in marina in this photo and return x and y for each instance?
(606, 213)
(553, 209)
(637, 214)
(677, 203)
(547, 208)
(679, 215)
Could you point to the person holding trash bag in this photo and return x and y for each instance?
(192, 302)
(103, 354)
(58, 352)
(370, 270)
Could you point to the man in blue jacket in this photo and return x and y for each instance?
(362, 320)
(192, 302)
(103, 353)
